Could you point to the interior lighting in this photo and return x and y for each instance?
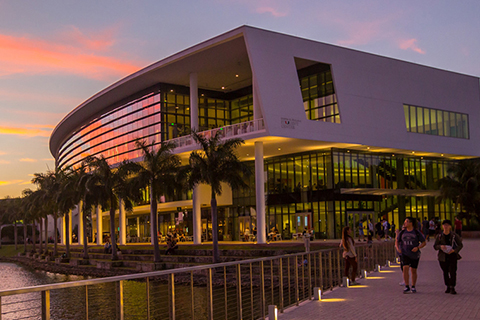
(248, 154)
(442, 154)
(223, 88)
(203, 95)
(171, 90)
(413, 152)
(236, 76)
(368, 148)
(279, 149)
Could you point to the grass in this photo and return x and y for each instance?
(9, 250)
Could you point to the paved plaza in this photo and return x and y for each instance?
(381, 296)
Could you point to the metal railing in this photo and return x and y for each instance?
(232, 290)
(230, 131)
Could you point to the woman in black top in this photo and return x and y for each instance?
(448, 244)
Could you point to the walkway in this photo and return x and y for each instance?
(381, 297)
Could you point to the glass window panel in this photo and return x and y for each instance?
(420, 128)
(453, 125)
(433, 121)
(407, 116)
(446, 124)
(413, 119)
(440, 123)
(459, 126)
(426, 120)
(465, 126)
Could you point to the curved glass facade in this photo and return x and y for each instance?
(160, 115)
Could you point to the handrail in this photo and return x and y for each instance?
(282, 280)
(80, 283)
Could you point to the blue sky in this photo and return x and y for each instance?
(56, 54)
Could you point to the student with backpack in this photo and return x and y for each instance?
(409, 242)
(349, 254)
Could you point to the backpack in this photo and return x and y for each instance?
(388, 225)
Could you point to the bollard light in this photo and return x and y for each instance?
(272, 312)
(365, 273)
(388, 263)
(398, 260)
(317, 293)
(377, 267)
(345, 282)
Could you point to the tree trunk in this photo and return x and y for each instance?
(46, 234)
(40, 240)
(154, 226)
(85, 241)
(34, 236)
(216, 253)
(25, 236)
(15, 236)
(67, 235)
(55, 237)
(113, 239)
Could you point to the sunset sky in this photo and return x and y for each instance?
(56, 54)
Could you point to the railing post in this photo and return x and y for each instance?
(239, 292)
(297, 297)
(262, 289)
(271, 281)
(339, 264)
(225, 290)
(320, 269)
(251, 290)
(210, 294)
(147, 285)
(120, 314)
(171, 291)
(280, 269)
(330, 271)
(192, 302)
(289, 282)
(310, 276)
(86, 302)
(46, 305)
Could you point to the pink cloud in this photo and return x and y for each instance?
(410, 44)
(274, 12)
(101, 40)
(27, 55)
(28, 160)
(4, 161)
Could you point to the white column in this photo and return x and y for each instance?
(193, 101)
(260, 192)
(257, 112)
(70, 225)
(138, 227)
(80, 223)
(122, 223)
(64, 230)
(99, 225)
(197, 217)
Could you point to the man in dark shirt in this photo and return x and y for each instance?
(409, 242)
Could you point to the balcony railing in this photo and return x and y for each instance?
(239, 289)
(231, 131)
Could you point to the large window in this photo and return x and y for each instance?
(436, 122)
(318, 93)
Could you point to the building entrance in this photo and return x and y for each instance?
(303, 220)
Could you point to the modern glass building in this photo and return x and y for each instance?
(333, 135)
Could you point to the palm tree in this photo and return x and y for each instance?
(26, 215)
(217, 162)
(462, 186)
(158, 171)
(109, 185)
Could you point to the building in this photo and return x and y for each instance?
(335, 135)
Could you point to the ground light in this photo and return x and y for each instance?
(272, 312)
(317, 293)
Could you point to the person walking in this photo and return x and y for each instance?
(425, 228)
(370, 228)
(431, 228)
(361, 231)
(386, 229)
(448, 244)
(409, 242)
(458, 226)
(349, 254)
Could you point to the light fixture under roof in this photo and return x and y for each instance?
(236, 76)
(223, 88)
(171, 90)
(442, 154)
(413, 152)
(368, 148)
(279, 149)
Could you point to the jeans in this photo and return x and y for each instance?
(449, 268)
(350, 262)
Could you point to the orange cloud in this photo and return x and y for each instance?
(4, 183)
(28, 160)
(32, 56)
(4, 161)
(26, 182)
(410, 44)
(24, 132)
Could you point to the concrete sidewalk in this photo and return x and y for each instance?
(381, 296)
